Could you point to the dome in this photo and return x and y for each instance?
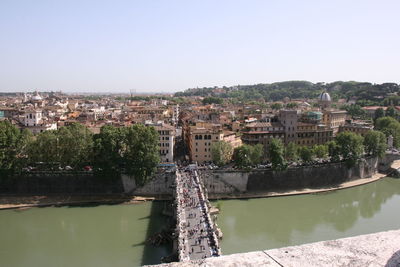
(36, 97)
(324, 97)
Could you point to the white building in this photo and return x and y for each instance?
(166, 140)
(34, 121)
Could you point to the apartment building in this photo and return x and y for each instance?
(166, 140)
(201, 137)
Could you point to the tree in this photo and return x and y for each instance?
(350, 147)
(291, 105)
(75, 144)
(391, 112)
(379, 113)
(142, 152)
(108, 148)
(44, 148)
(389, 126)
(276, 106)
(355, 110)
(291, 152)
(306, 154)
(375, 143)
(12, 145)
(333, 150)
(276, 154)
(221, 153)
(241, 156)
(256, 155)
(320, 151)
(212, 100)
(246, 156)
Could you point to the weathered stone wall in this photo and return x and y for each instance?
(59, 183)
(44, 183)
(385, 163)
(161, 184)
(231, 182)
(217, 182)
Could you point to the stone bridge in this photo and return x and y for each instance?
(196, 231)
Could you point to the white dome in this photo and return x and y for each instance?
(325, 97)
(36, 97)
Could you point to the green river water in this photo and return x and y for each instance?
(114, 235)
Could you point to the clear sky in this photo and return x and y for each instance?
(166, 46)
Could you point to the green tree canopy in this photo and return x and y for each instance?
(389, 126)
(321, 151)
(221, 153)
(44, 148)
(306, 154)
(212, 100)
(291, 152)
(276, 154)
(246, 156)
(109, 148)
(13, 145)
(75, 144)
(379, 113)
(333, 150)
(350, 146)
(142, 152)
(391, 112)
(375, 143)
(276, 106)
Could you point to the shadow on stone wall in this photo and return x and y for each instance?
(394, 261)
(53, 183)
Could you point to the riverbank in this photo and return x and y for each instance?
(22, 202)
(344, 185)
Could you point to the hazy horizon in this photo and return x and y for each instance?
(169, 46)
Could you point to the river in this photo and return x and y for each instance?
(266, 223)
(114, 235)
(105, 235)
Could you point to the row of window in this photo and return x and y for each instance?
(205, 150)
(163, 132)
(164, 152)
(206, 156)
(163, 144)
(206, 144)
(164, 138)
(200, 137)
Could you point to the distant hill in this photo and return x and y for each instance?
(368, 92)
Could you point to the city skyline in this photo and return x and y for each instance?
(160, 47)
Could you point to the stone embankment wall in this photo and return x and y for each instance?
(217, 182)
(233, 182)
(43, 183)
(59, 183)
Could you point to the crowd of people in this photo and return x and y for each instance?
(197, 238)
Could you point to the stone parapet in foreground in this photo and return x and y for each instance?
(379, 249)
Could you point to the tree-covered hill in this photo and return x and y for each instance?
(367, 92)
